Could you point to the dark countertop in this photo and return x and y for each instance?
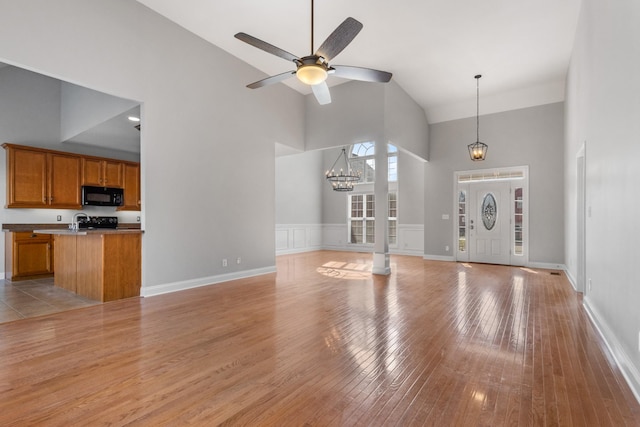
(61, 226)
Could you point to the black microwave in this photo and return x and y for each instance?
(102, 196)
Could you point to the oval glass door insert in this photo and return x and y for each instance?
(489, 211)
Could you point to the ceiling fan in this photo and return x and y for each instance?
(314, 69)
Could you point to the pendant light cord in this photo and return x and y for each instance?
(478, 107)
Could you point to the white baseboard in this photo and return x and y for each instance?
(622, 359)
(571, 279)
(149, 291)
(438, 257)
(546, 265)
(410, 252)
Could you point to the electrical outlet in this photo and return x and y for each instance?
(224, 262)
(446, 248)
(239, 260)
(589, 283)
(59, 218)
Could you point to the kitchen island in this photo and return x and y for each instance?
(100, 264)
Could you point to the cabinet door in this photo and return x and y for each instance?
(131, 188)
(27, 178)
(112, 172)
(31, 255)
(64, 181)
(92, 172)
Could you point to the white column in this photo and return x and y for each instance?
(381, 264)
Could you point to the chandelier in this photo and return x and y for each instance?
(478, 150)
(345, 178)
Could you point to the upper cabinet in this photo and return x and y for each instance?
(102, 172)
(42, 179)
(131, 188)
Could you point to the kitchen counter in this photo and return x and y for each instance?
(60, 226)
(85, 231)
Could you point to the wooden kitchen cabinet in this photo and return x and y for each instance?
(28, 255)
(38, 178)
(102, 172)
(131, 188)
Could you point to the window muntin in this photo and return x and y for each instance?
(393, 219)
(362, 159)
(362, 218)
(462, 221)
(518, 216)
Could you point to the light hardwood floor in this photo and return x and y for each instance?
(323, 342)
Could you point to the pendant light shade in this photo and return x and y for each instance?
(477, 150)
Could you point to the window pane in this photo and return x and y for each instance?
(356, 231)
(462, 221)
(363, 149)
(393, 168)
(462, 239)
(369, 173)
(392, 148)
(393, 233)
(371, 206)
(356, 206)
(518, 237)
(393, 205)
(371, 231)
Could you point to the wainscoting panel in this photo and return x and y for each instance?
(410, 240)
(295, 238)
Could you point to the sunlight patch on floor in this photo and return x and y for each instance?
(343, 270)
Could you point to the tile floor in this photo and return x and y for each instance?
(30, 298)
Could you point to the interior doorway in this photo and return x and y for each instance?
(492, 216)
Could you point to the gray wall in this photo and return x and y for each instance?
(530, 136)
(356, 114)
(405, 122)
(299, 179)
(29, 108)
(206, 137)
(603, 111)
(410, 189)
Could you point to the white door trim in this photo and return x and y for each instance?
(518, 176)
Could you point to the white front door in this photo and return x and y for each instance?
(489, 220)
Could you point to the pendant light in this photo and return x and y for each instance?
(345, 178)
(478, 150)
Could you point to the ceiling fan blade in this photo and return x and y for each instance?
(339, 39)
(269, 48)
(271, 80)
(359, 73)
(322, 94)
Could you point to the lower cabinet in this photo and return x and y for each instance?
(102, 267)
(28, 255)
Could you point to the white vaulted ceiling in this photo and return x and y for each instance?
(433, 47)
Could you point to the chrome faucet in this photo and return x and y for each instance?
(74, 225)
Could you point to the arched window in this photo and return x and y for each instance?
(362, 159)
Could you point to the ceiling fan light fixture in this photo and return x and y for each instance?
(312, 74)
